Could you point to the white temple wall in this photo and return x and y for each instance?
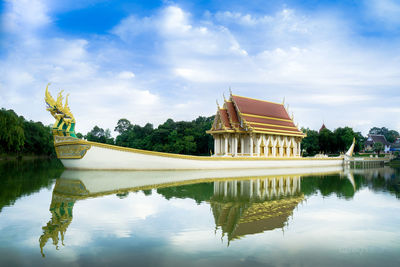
(256, 145)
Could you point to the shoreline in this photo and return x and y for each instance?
(6, 157)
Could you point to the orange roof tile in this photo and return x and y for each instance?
(259, 107)
(232, 112)
(224, 118)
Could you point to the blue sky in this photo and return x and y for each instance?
(336, 62)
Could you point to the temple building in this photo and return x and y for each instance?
(247, 127)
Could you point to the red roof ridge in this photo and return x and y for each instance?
(259, 99)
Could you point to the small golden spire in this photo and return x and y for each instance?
(230, 91)
(217, 103)
(283, 101)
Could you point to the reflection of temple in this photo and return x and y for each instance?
(254, 206)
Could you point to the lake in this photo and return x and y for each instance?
(300, 217)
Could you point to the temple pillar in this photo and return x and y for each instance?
(288, 152)
(235, 145)
(273, 140)
(219, 144)
(299, 149)
(226, 145)
(242, 144)
(258, 141)
(215, 144)
(251, 145)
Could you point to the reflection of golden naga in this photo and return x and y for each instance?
(65, 121)
(61, 218)
(248, 207)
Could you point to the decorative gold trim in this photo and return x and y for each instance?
(265, 117)
(220, 131)
(274, 125)
(72, 151)
(281, 134)
(275, 130)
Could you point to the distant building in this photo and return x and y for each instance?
(395, 146)
(255, 128)
(322, 127)
(375, 138)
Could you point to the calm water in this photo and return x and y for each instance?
(50, 216)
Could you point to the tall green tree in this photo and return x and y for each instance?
(12, 135)
(326, 141)
(378, 147)
(344, 138)
(310, 144)
(100, 135)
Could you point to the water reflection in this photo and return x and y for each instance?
(253, 206)
(242, 202)
(22, 178)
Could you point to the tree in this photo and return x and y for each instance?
(378, 147)
(123, 125)
(310, 143)
(326, 140)
(100, 135)
(12, 135)
(344, 138)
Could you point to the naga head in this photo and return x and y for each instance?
(55, 107)
(65, 122)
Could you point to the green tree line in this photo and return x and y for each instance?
(330, 142)
(19, 136)
(182, 137)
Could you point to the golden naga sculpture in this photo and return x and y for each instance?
(65, 121)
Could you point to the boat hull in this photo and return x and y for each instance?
(98, 156)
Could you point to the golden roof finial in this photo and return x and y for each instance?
(292, 116)
(230, 91)
(217, 103)
(223, 94)
(283, 101)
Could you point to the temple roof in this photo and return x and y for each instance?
(244, 114)
(225, 118)
(253, 106)
(375, 138)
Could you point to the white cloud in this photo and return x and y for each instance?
(385, 11)
(126, 75)
(314, 61)
(23, 15)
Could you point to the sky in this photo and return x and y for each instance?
(334, 62)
